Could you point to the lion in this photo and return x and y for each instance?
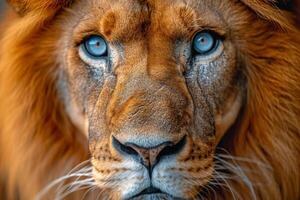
(150, 99)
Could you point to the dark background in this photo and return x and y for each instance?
(2, 4)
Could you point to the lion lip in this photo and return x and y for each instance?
(149, 190)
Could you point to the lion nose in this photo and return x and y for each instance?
(149, 156)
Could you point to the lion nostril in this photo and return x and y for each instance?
(123, 148)
(173, 149)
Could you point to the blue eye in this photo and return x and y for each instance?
(96, 46)
(204, 42)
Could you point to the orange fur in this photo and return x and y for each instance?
(38, 142)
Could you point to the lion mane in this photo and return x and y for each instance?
(38, 142)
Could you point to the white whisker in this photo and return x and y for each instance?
(77, 188)
(243, 159)
(85, 172)
(236, 169)
(80, 171)
(88, 191)
(228, 185)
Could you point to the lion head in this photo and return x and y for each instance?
(164, 99)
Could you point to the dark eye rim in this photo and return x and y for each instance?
(84, 43)
(217, 41)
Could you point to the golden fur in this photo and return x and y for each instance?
(39, 142)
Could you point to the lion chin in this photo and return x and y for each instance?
(150, 99)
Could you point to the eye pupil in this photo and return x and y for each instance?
(95, 46)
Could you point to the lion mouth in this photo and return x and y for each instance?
(148, 191)
(151, 193)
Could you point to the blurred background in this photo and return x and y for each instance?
(2, 4)
(296, 8)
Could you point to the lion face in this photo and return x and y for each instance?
(154, 85)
